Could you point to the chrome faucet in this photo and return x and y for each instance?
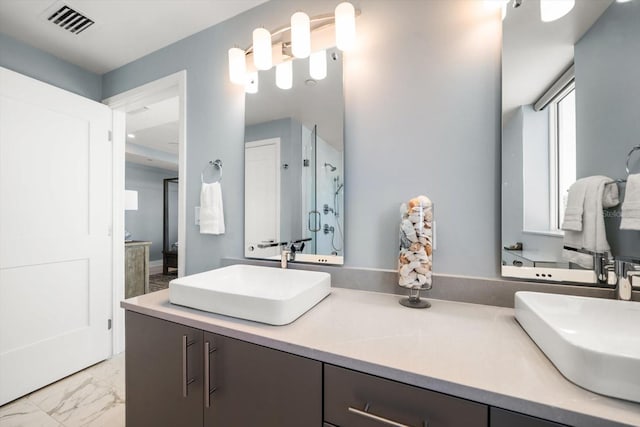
(626, 271)
(289, 253)
(286, 256)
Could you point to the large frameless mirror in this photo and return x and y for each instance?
(570, 110)
(294, 165)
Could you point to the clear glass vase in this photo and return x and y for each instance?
(415, 259)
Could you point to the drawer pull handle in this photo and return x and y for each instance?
(185, 371)
(380, 419)
(207, 372)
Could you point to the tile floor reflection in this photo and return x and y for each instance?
(93, 397)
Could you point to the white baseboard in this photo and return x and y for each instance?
(155, 267)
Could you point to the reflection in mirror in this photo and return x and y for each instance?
(570, 110)
(294, 167)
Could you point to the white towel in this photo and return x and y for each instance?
(630, 211)
(211, 211)
(592, 236)
(575, 206)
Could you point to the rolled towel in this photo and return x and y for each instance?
(211, 210)
(630, 211)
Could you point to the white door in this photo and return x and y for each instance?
(262, 197)
(55, 244)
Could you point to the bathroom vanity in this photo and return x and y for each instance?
(356, 359)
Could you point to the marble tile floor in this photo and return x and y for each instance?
(93, 397)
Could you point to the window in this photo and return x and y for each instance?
(562, 151)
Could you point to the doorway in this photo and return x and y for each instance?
(143, 118)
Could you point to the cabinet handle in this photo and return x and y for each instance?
(207, 370)
(381, 420)
(185, 371)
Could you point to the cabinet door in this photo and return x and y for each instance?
(257, 386)
(504, 418)
(163, 373)
(354, 399)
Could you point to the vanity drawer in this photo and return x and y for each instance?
(347, 393)
(504, 418)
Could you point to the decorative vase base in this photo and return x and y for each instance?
(415, 302)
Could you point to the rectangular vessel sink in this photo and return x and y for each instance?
(593, 342)
(264, 294)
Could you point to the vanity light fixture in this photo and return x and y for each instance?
(237, 66)
(284, 75)
(551, 10)
(318, 65)
(305, 37)
(345, 26)
(262, 49)
(300, 35)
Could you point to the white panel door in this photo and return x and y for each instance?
(55, 244)
(262, 197)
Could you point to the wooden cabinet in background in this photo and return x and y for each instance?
(136, 268)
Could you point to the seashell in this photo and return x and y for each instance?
(409, 231)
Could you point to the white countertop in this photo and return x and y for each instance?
(477, 352)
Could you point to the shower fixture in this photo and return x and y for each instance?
(333, 168)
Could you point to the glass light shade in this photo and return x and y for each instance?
(251, 82)
(318, 65)
(300, 35)
(237, 66)
(262, 49)
(345, 26)
(550, 10)
(284, 75)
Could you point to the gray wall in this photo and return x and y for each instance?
(608, 98)
(290, 133)
(146, 223)
(512, 183)
(607, 106)
(422, 116)
(515, 133)
(35, 63)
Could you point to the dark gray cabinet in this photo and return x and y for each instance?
(354, 399)
(163, 365)
(504, 418)
(181, 376)
(258, 386)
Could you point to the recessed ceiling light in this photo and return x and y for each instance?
(131, 135)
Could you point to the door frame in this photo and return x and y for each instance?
(173, 84)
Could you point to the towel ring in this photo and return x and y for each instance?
(215, 164)
(633, 150)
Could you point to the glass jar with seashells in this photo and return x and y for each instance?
(415, 260)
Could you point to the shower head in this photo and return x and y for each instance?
(333, 168)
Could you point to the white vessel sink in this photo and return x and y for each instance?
(263, 294)
(593, 342)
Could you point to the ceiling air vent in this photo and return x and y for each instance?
(70, 20)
